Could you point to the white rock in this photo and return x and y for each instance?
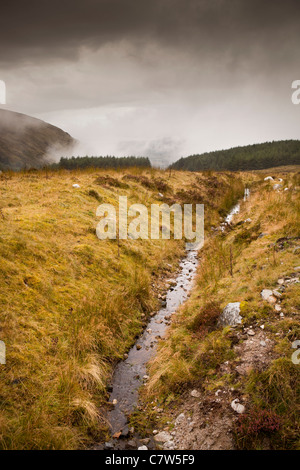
(143, 448)
(267, 295)
(115, 401)
(263, 343)
(277, 308)
(236, 406)
(230, 315)
(162, 437)
(180, 418)
(268, 178)
(251, 332)
(195, 394)
(262, 327)
(76, 185)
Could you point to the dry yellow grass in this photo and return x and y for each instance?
(70, 306)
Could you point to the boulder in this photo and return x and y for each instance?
(230, 315)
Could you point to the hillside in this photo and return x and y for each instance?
(72, 305)
(27, 142)
(235, 383)
(250, 157)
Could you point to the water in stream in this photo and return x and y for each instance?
(129, 374)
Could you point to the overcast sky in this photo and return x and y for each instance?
(160, 78)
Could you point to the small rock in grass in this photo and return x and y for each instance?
(195, 394)
(251, 332)
(267, 295)
(238, 407)
(230, 315)
(143, 448)
(277, 308)
(263, 343)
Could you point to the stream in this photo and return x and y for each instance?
(131, 373)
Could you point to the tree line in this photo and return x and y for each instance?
(250, 157)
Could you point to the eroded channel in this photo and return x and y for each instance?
(130, 374)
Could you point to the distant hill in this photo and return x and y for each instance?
(250, 157)
(27, 142)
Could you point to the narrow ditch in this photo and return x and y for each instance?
(131, 373)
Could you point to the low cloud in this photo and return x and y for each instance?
(160, 151)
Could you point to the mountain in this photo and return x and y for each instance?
(250, 157)
(27, 142)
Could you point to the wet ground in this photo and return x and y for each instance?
(131, 373)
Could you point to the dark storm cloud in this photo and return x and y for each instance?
(163, 78)
(41, 30)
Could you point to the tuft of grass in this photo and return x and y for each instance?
(277, 390)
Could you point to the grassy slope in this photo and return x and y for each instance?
(70, 307)
(195, 347)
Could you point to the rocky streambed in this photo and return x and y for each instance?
(131, 373)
